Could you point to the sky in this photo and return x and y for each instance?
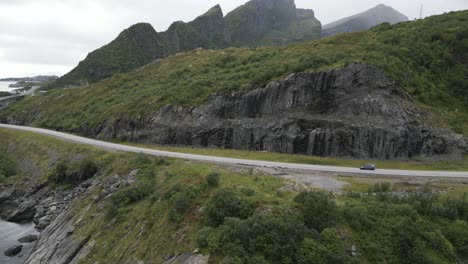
(53, 36)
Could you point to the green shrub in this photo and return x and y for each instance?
(319, 209)
(8, 167)
(226, 204)
(275, 238)
(73, 173)
(457, 233)
(212, 179)
(311, 251)
(248, 191)
(133, 194)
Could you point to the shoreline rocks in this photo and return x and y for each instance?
(28, 239)
(13, 251)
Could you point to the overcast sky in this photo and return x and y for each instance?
(52, 36)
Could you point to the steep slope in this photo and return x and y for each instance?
(364, 21)
(212, 27)
(133, 48)
(257, 22)
(206, 31)
(267, 22)
(425, 58)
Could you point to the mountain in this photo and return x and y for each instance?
(365, 20)
(407, 97)
(133, 48)
(258, 22)
(268, 22)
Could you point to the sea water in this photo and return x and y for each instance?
(9, 235)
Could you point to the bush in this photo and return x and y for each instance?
(319, 209)
(457, 233)
(226, 204)
(311, 252)
(7, 166)
(248, 191)
(181, 199)
(133, 194)
(276, 238)
(74, 173)
(212, 179)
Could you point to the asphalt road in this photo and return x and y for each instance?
(255, 163)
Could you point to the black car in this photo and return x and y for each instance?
(368, 167)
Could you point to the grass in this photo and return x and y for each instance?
(142, 230)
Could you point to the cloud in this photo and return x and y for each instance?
(57, 34)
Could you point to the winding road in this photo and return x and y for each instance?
(233, 161)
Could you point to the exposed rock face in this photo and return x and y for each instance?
(354, 111)
(271, 22)
(364, 21)
(211, 26)
(24, 213)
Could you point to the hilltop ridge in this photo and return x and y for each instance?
(278, 22)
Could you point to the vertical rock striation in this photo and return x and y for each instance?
(354, 111)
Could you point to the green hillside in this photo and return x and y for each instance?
(244, 216)
(427, 57)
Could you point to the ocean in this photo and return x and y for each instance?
(9, 235)
(4, 87)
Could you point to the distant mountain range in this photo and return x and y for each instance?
(39, 78)
(256, 23)
(364, 21)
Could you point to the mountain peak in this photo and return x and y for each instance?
(214, 11)
(365, 20)
(140, 27)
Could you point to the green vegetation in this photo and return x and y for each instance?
(212, 179)
(8, 167)
(171, 208)
(69, 172)
(426, 57)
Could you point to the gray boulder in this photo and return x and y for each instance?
(24, 213)
(13, 251)
(28, 239)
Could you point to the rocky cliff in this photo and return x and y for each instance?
(354, 111)
(364, 21)
(257, 22)
(267, 22)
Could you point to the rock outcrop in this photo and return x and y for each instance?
(355, 111)
(261, 22)
(365, 20)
